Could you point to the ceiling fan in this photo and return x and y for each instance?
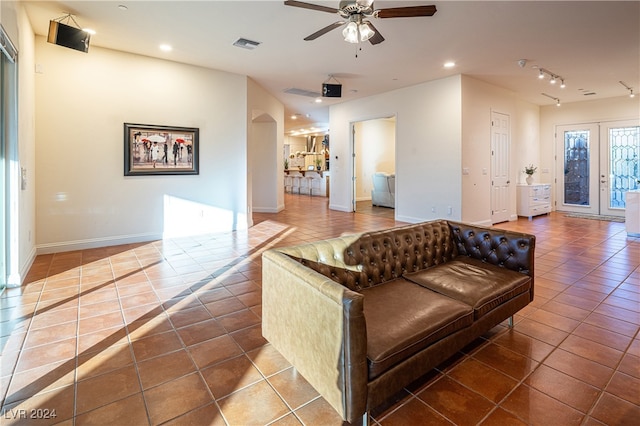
(356, 14)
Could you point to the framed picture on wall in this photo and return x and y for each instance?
(160, 150)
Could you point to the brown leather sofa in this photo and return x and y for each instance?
(362, 316)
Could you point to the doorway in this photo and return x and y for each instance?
(597, 163)
(374, 147)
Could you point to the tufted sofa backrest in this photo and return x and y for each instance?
(364, 260)
(388, 254)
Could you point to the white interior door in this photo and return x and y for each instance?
(500, 181)
(597, 163)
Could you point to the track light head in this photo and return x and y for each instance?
(629, 88)
(541, 75)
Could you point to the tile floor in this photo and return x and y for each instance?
(168, 332)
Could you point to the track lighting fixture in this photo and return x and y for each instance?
(552, 97)
(630, 89)
(553, 77)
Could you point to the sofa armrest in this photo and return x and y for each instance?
(318, 325)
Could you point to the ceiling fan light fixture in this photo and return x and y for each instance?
(365, 32)
(350, 32)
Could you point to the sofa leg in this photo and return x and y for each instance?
(511, 321)
(365, 419)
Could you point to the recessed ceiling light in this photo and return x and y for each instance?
(449, 64)
(318, 100)
(166, 48)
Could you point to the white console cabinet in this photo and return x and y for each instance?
(534, 199)
(632, 214)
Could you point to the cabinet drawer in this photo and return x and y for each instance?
(540, 200)
(540, 209)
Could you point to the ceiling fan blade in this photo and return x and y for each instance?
(324, 30)
(310, 6)
(377, 37)
(407, 12)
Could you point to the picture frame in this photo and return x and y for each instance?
(160, 150)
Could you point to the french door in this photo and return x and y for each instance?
(597, 163)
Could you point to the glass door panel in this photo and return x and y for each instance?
(577, 155)
(621, 168)
(576, 167)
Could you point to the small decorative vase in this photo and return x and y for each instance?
(529, 179)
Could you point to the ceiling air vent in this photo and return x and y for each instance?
(587, 92)
(246, 43)
(303, 92)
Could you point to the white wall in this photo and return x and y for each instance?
(441, 126)
(375, 147)
(11, 18)
(266, 141)
(428, 148)
(82, 101)
(479, 99)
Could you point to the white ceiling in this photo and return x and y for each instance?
(592, 44)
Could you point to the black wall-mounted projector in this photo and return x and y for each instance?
(331, 90)
(68, 36)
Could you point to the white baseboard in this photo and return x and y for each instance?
(267, 209)
(409, 219)
(95, 243)
(26, 266)
(340, 208)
